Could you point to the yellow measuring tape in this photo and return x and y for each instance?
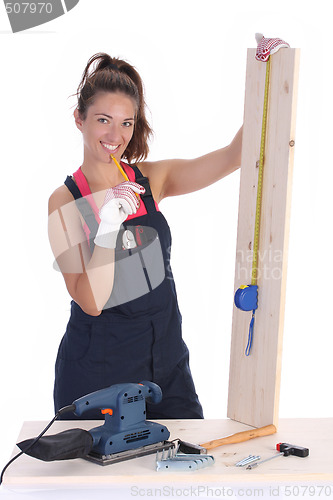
(246, 297)
(254, 276)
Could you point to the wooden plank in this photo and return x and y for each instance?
(315, 434)
(254, 380)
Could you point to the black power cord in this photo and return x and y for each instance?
(65, 409)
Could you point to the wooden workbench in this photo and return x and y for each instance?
(315, 434)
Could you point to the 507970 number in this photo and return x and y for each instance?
(28, 7)
(308, 491)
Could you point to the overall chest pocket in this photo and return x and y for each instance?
(139, 267)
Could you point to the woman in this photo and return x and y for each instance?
(112, 245)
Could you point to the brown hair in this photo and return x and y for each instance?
(106, 74)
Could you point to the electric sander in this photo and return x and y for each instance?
(125, 433)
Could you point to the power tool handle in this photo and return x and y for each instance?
(153, 393)
(108, 397)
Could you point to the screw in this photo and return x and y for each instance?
(248, 460)
(249, 467)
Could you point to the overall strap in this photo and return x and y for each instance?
(147, 197)
(84, 189)
(72, 187)
(85, 208)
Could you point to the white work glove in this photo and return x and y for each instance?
(120, 202)
(268, 46)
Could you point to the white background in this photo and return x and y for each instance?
(192, 57)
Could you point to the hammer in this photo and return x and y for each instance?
(239, 437)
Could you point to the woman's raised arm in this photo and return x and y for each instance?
(176, 177)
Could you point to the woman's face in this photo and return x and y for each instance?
(108, 127)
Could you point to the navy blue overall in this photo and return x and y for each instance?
(131, 342)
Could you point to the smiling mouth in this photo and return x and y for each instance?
(110, 147)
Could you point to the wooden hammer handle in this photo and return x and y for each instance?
(239, 437)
